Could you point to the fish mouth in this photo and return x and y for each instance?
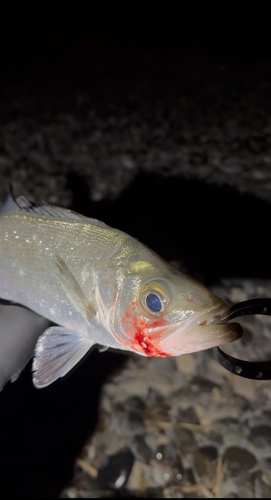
(204, 332)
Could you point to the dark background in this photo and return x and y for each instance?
(213, 228)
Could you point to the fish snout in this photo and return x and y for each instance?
(212, 335)
(211, 330)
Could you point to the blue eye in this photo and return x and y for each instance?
(153, 303)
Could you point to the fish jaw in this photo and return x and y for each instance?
(161, 338)
(207, 332)
(209, 336)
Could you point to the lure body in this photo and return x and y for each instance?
(101, 286)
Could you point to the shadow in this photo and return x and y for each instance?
(213, 231)
(43, 431)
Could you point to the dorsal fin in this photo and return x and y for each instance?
(22, 204)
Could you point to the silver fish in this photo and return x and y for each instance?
(101, 286)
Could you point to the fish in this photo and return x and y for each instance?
(99, 286)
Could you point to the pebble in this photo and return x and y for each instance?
(130, 423)
(200, 462)
(140, 477)
(210, 452)
(135, 387)
(239, 459)
(116, 471)
(140, 449)
(261, 436)
(186, 363)
(245, 387)
(188, 415)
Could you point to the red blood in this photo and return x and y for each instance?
(149, 347)
(136, 330)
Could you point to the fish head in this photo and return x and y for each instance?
(161, 312)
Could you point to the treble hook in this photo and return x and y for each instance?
(259, 370)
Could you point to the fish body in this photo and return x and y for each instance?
(101, 286)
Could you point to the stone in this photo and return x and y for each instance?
(137, 387)
(140, 477)
(245, 387)
(130, 422)
(116, 470)
(239, 459)
(203, 384)
(260, 436)
(186, 363)
(200, 463)
(135, 402)
(140, 449)
(210, 452)
(184, 439)
(188, 415)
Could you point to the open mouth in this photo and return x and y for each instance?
(211, 331)
(203, 332)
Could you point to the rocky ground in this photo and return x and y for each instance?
(184, 427)
(171, 143)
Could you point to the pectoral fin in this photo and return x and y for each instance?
(57, 351)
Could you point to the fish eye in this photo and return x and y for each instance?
(153, 303)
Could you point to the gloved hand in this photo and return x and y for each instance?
(19, 332)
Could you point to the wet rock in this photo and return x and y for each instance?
(138, 387)
(130, 422)
(203, 384)
(184, 439)
(268, 462)
(200, 462)
(239, 459)
(267, 414)
(262, 483)
(245, 387)
(141, 481)
(186, 363)
(224, 425)
(214, 437)
(235, 437)
(154, 397)
(209, 452)
(170, 454)
(140, 449)
(229, 488)
(188, 415)
(115, 472)
(136, 403)
(261, 436)
(162, 366)
(160, 412)
(108, 443)
(162, 473)
(246, 492)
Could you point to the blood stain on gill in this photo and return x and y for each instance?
(137, 330)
